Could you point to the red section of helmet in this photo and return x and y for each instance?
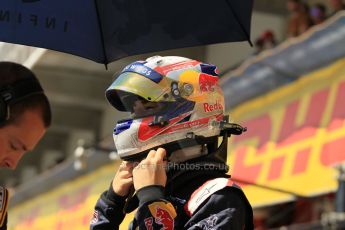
(164, 70)
(207, 82)
(146, 131)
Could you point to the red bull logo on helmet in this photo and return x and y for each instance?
(207, 82)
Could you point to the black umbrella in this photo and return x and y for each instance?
(107, 30)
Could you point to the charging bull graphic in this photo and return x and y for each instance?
(164, 218)
(164, 214)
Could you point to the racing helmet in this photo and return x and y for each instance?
(174, 102)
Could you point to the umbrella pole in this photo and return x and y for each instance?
(102, 37)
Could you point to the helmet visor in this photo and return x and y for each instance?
(129, 83)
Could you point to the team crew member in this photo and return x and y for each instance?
(24, 117)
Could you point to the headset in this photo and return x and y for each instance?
(15, 92)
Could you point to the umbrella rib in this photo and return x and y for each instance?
(240, 23)
(102, 37)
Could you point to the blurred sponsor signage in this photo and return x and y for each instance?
(68, 206)
(296, 134)
(315, 49)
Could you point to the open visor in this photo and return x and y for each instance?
(130, 84)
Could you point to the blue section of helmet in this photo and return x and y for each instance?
(209, 69)
(122, 126)
(177, 108)
(140, 68)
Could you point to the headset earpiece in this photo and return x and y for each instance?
(16, 92)
(3, 111)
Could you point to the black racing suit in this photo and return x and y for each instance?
(204, 198)
(4, 225)
(4, 195)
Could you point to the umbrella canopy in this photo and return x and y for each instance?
(107, 30)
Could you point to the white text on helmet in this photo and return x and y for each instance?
(138, 69)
